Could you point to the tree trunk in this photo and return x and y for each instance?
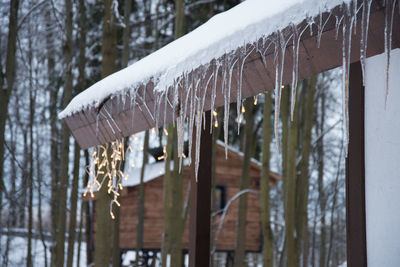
(60, 242)
(240, 245)
(40, 180)
(177, 214)
(54, 131)
(267, 248)
(88, 218)
(170, 225)
(215, 134)
(290, 187)
(81, 87)
(308, 93)
(322, 201)
(116, 253)
(5, 90)
(31, 122)
(139, 229)
(73, 200)
(126, 33)
(102, 246)
(179, 18)
(167, 197)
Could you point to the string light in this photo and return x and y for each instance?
(215, 114)
(106, 170)
(243, 109)
(164, 156)
(255, 100)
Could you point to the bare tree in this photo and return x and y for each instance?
(102, 246)
(7, 84)
(63, 187)
(240, 245)
(268, 237)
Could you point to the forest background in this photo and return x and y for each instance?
(51, 50)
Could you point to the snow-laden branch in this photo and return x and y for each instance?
(225, 210)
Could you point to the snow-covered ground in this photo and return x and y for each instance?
(17, 251)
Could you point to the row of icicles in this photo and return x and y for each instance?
(107, 164)
(186, 97)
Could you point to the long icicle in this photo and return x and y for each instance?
(364, 34)
(279, 59)
(347, 28)
(389, 14)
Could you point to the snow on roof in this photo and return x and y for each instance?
(223, 33)
(237, 151)
(152, 171)
(157, 169)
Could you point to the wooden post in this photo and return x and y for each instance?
(355, 173)
(200, 203)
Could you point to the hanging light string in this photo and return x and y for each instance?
(106, 170)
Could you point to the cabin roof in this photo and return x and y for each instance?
(157, 169)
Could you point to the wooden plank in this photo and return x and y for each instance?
(200, 203)
(355, 173)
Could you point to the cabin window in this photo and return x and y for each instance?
(220, 197)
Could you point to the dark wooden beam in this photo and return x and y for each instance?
(200, 203)
(355, 173)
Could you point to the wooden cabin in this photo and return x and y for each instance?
(228, 173)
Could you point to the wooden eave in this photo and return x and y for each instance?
(257, 78)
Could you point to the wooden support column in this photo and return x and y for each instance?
(200, 203)
(355, 173)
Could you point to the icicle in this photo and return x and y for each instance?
(239, 84)
(337, 25)
(199, 118)
(321, 26)
(112, 120)
(261, 51)
(97, 125)
(193, 102)
(123, 100)
(239, 101)
(364, 34)
(295, 67)
(389, 15)
(279, 59)
(264, 53)
(226, 107)
(346, 53)
(214, 90)
(133, 105)
(180, 128)
(355, 9)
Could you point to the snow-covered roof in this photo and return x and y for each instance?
(151, 171)
(223, 33)
(157, 169)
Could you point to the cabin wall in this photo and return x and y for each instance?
(228, 173)
(382, 168)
